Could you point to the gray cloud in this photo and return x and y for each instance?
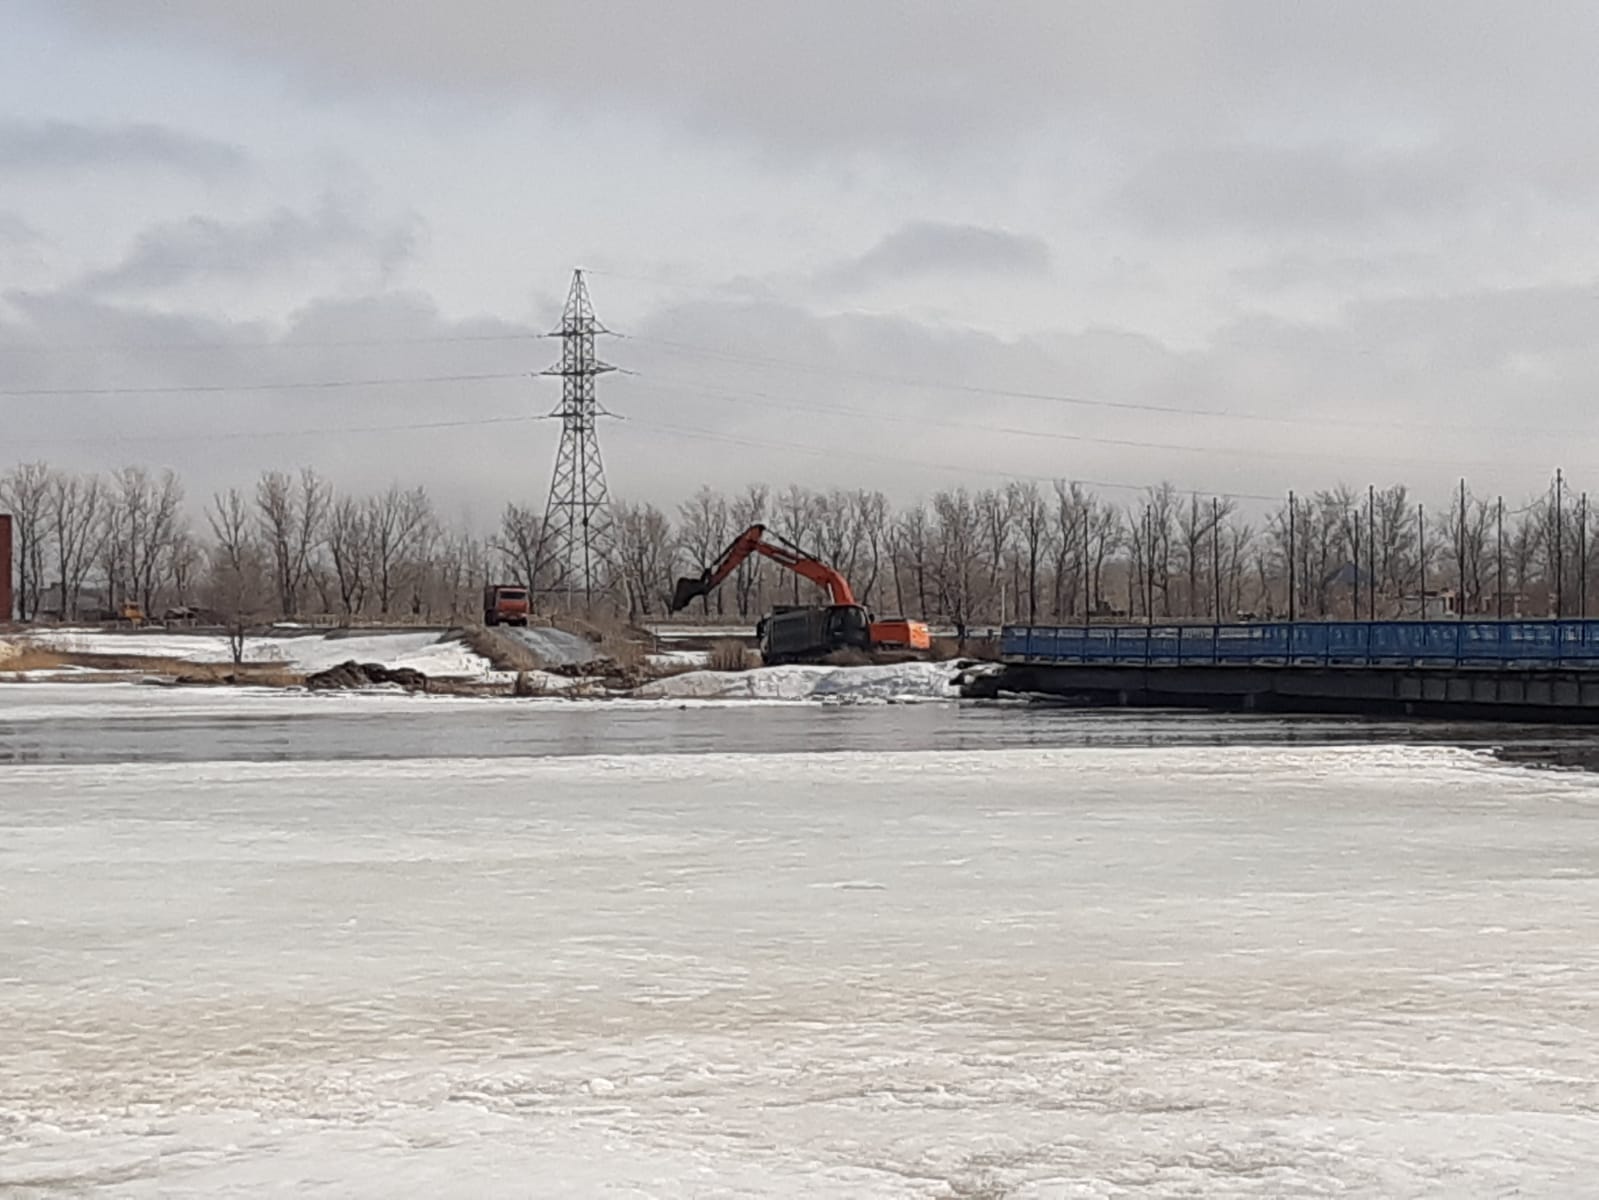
(835, 73)
(932, 247)
(203, 247)
(40, 146)
(1264, 189)
(1491, 385)
(1335, 213)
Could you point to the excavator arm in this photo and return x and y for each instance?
(754, 541)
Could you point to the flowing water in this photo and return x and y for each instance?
(387, 946)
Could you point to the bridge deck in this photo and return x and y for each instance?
(1501, 645)
(1495, 670)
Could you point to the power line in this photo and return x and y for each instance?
(275, 344)
(283, 386)
(1254, 453)
(900, 460)
(707, 391)
(252, 435)
(688, 432)
(763, 361)
(1050, 397)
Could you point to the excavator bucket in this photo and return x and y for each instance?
(689, 589)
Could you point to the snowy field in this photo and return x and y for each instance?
(427, 651)
(1201, 970)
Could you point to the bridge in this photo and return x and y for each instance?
(1501, 670)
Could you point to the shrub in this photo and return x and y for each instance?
(730, 655)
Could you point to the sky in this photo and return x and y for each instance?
(1245, 247)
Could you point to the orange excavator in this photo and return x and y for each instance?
(794, 633)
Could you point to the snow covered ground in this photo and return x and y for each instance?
(441, 656)
(898, 682)
(425, 651)
(1222, 970)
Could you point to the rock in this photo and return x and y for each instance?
(352, 674)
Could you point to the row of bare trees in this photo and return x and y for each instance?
(1064, 553)
(292, 546)
(87, 544)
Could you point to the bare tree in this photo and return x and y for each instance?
(703, 533)
(956, 566)
(748, 509)
(25, 492)
(291, 513)
(1068, 541)
(349, 553)
(400, 524)
(647, 556)
(149, 509)
(1463, 534)
(451, 584)
(1150, 531)
(523, 543)
(994, 522)
(236, 580)
(871, 519)
(182, 560)
(1030, 512)
(73, 513)
(1395, 545)
(229, 518)
(796, 519)
(1238, 546)
(1106, 537)
(837, 539)
(913, 538)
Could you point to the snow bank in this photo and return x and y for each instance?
(679, 660)
(423, 651)
(898, 682)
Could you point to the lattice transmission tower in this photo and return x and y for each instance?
(581, 543)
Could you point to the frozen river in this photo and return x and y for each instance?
(385, 947)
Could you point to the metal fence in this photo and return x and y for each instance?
(1505, 644)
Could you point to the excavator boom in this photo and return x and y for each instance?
(754, 541)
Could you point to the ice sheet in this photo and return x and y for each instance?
(1189, 971)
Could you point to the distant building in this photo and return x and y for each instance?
(6, 601)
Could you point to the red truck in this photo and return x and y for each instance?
(505, 604)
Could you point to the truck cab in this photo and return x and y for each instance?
(506, 604)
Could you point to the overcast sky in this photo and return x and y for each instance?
(1241, 246)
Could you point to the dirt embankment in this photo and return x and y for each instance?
(21, 658)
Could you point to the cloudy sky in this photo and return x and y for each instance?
(1241, 246)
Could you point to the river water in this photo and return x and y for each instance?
(388, 946)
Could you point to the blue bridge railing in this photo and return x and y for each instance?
(1505, 644)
